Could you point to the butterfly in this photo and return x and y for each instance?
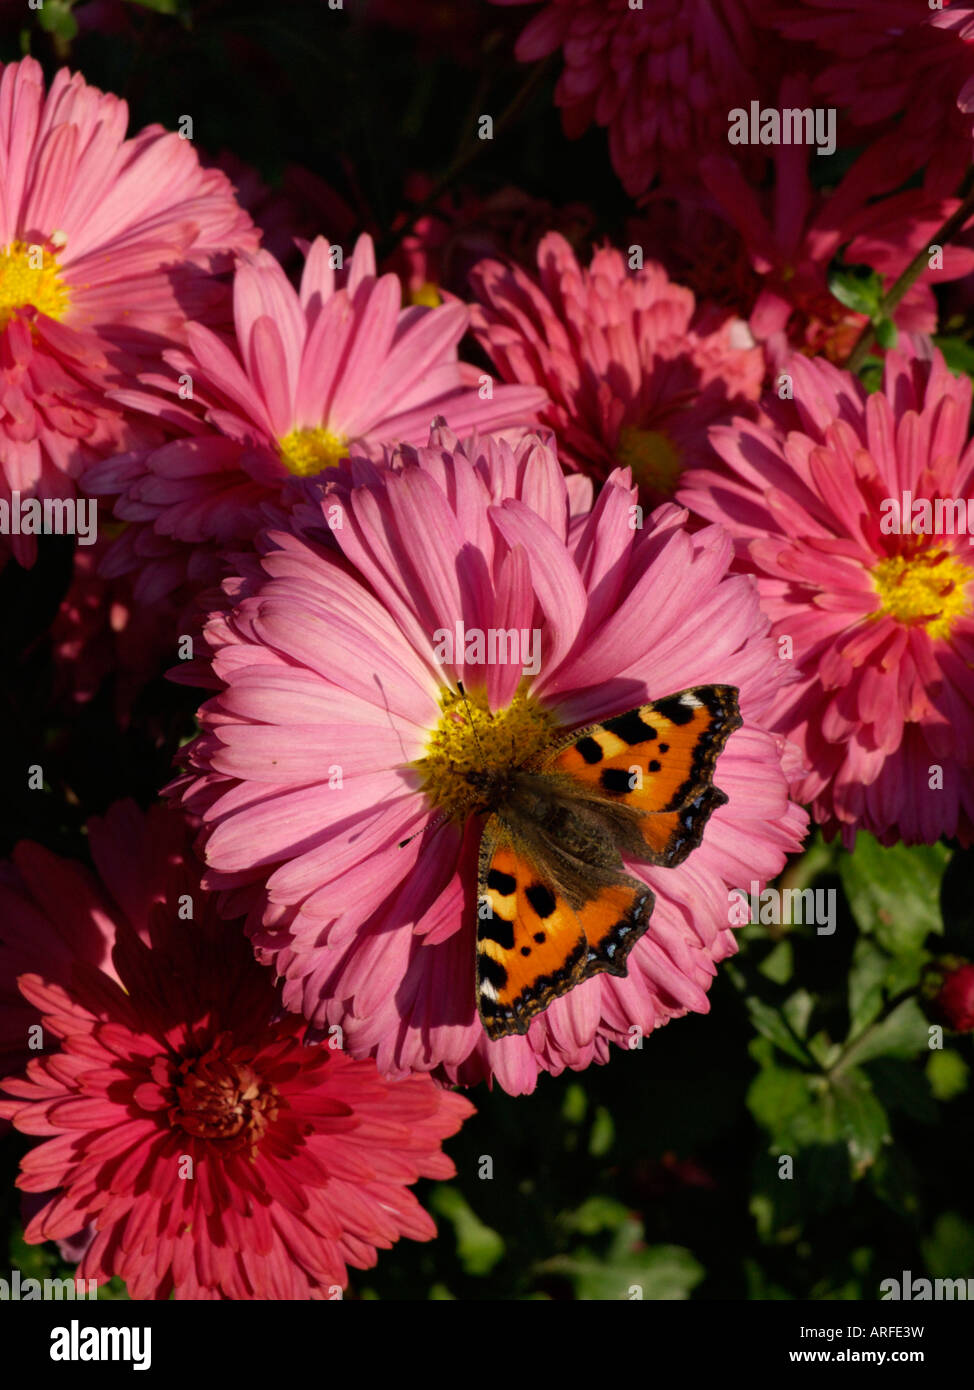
(555, 905)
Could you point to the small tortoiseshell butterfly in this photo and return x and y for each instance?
(555, 903)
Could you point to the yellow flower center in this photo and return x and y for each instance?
(29, 275)
(426, 294)
(926, 589)
(307, 452)
(492, 743)
(654, 460)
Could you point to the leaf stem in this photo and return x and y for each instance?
(912, 273)
(854, 1044)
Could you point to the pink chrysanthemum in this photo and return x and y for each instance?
(107, 246)
(314, 374)
(881, 623)
(338, 733)
(211, 1152)
(662, 77)
(635, 372)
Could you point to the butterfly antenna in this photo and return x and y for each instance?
(473, 727)
(428, 826)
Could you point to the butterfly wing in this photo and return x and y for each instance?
(659, 759)
(532, 946)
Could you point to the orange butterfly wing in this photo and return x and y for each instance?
(658, 758)
(532, 946)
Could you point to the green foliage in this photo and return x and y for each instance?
(949, 1249)
(947, 1073)
(56, 18)
(894, 892)
(958, 353)
(160, 6)
(847, 1080)
(478, 1247)
(858, 287)
(861, 289)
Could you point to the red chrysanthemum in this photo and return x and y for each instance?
(209, 1150)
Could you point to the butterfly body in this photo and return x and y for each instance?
(578, 837)
(555, 903)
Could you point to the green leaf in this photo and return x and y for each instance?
(805, 1114)
(160, 6)
(894, 893)
(858, 287)
(662, 1273)
(601, 1213)
(905, 971)
(871, 373)
(886, 333)
(602, 1133)
(56, 18)
(949, 1251)
(797, 1010)
(958, 354)
(478, 1247)
(825, 1052)
(947, 1073)
(779, 963)
(574, 1104)
(771, 1025)
(869, 967)
(903, 1033)
(776, 1096)
(861, 1120)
